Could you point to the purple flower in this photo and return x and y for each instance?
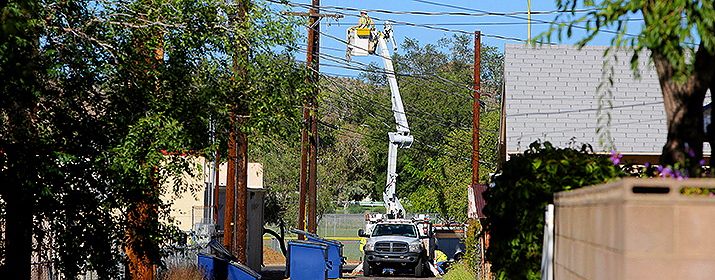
(615, 157)
(689, 150)
(667, 172)
(702, 162)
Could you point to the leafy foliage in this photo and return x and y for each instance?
(440, 110)
(680, 36)
(515, 205)
(91, 93)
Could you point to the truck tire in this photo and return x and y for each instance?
(366, 269)
(419, 268)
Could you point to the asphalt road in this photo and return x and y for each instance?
(277, 272)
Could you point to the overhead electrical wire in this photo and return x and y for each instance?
(433, 149)
(409, 107)
(416, 76)
(309, 6)
(444, 80)
(512, 16)
(434, 116)
(416, 140)
(419, 119)
(584, 110)
(482, 12)
(436, 28)
(469, 23)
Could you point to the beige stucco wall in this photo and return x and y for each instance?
(193, 198)
(635, 229)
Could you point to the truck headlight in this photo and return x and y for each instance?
(415, 247)
(369, 247)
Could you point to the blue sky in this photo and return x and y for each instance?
(428, 29)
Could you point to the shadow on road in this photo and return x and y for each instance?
(277, 272)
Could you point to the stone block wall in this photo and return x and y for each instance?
(635, 229)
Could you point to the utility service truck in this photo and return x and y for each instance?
(393, 241)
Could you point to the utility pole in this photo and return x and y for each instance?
(309, 152)
(313, 60)
(477, 92)
(235, 223)
(475, 126)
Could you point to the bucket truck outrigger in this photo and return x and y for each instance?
(394, 241)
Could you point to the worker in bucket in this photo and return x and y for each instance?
(364, 22)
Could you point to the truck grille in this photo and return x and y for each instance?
(391, 247)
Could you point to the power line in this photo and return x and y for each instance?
(584, 110)
(483, 12)
(474, 23)
(308, 6)
(419, 76)
(340, 61)
(420, 119)
(437, 28)
(510, 16)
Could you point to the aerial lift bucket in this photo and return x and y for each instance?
(359, 41)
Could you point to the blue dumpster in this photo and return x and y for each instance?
(335, 256)
(237, 271)
(335, 252)
(307, 260)
(214, 267)
(218, 268)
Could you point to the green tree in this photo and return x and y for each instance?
(97, 102)
(680, 36)
(515, 205)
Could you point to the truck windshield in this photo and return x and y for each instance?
(394, 229)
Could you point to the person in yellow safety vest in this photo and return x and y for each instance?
(362, 244)
(364, 22)
(439, 258)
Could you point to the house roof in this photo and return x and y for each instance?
(551, 94)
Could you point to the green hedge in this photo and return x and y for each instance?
(515, 205)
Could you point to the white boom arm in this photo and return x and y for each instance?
(400, 139)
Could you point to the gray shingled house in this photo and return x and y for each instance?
(551, 94)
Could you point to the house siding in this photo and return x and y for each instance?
(551, 94)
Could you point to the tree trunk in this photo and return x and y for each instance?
(683, 96)
(142, 216)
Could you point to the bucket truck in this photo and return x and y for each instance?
(394, 242)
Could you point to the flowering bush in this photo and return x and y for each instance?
(678, 171)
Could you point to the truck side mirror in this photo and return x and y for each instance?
(361, 233)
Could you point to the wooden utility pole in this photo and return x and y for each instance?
(235, 223)
(475, 126)
(229, 206)
(313, 60)
(477, 92)
(308, 191)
